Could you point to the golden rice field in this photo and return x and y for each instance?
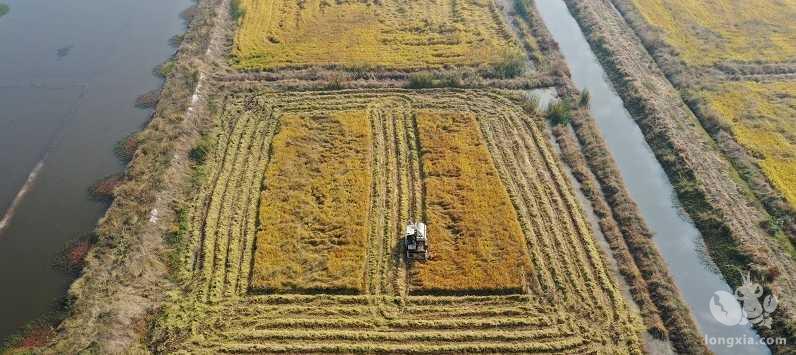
(314, 208)
(761, 117)
(477, 239)
(383, 33)
(706, 32)
(536, 281)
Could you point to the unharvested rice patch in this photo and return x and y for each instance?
(314, 207)
(389, 33)
(761, 117)
(707, 32)
(477, 242)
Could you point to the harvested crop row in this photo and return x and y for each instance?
(222, 228)
(384, 204)
(295, 325)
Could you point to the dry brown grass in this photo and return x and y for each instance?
(476, 239)
(315, 204)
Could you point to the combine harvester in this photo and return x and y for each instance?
(416, 241)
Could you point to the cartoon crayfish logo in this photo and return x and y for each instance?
(726, 308)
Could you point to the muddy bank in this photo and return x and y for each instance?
(707, 185)
(126, 275)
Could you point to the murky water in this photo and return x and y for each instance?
(69, 74)
(677, 238)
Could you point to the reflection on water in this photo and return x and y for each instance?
(69, 74)
(677, 238)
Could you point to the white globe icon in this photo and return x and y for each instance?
(725, 308)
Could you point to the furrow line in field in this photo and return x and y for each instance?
(229, 199)
(250, 232)
(214, 209)
(546, 267)
(405, 176)
(202, 202)
(393, 336)
(242, 209)
(569, 208)
(391, 253)
(524, 163)
(569, 344)
(380, 323)
(528, 158)
(376, 216)
(391, 197)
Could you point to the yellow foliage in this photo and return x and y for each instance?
(388, 33)
(710, 31)
(762, 117)
(476, 240)
(314, 208)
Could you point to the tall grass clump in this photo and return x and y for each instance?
(559, 112)
(585, 99)
(237, 10)
(203, 147)
(522, 9)
(421, 80)
(512, 64)
(163, 70)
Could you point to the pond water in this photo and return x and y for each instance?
(69, 75)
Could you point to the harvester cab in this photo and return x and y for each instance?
(416, 240)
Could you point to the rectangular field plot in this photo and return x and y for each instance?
(310, 192)
(477, 242)
(386, 33)
(295, 240)
(313, 211)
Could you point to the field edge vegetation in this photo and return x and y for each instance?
(127, 239)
